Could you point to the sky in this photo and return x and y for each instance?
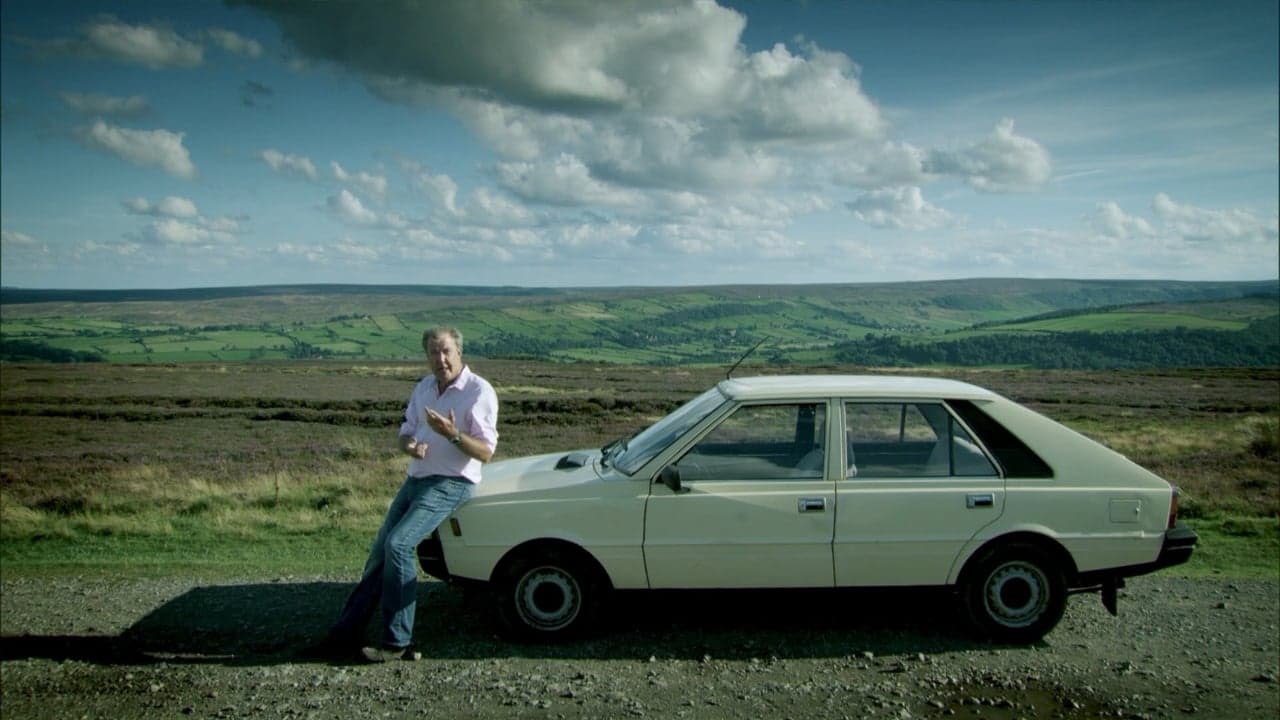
(575, 143)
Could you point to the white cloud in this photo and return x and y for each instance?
(95, 104)
(813, 98)
(517, 132)
(174, 232)
(596, 236)
(311, 253)
(221, 225)
(176, 207)
(154, 47)
(147, 148)
(15, 245)
(490, 209)
(1003, 162)
(1110, 221)
(1215, 227)
(351, 251)
(565, 181)
(349, 209)
(902, 207)
(126, 249)
(344, 253)
(876, 166)
(235, 43)
(371, 185)
(179, 224)
(286, 163)
(1183, 227)
(440, 190)
(645, 94)
(426, 242)
(545, 55)
(648, 115)
(677, 154)
(15, 238)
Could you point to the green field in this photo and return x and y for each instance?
(1228, 315)
(813, 324)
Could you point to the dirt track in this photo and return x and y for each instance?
(174, 648)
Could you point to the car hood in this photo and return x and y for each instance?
(539, 472)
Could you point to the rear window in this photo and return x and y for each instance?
(1018, 460)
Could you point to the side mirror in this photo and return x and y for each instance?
(670, 476)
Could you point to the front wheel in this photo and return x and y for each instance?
(1015, 594)
(549, 596)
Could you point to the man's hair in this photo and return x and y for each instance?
(436, 333)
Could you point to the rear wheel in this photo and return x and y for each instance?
(1015, 594)
(548, 596)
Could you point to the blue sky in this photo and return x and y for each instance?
(492, 142)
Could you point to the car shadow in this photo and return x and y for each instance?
(278, 623)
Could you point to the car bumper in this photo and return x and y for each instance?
(431, 557)
(1179, 542)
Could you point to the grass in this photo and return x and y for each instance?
(1130, 321)
(805, 323)
(1234, 546)
(263, 469)
(191, 549)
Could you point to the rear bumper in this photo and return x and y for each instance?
(1179, 543)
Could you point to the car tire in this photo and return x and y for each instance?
(548, 595)
(1015, 594)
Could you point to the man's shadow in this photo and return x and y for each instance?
(276, 623)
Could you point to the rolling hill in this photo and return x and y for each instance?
(803, 323)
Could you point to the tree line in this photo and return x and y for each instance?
(35, 351)
(1257, 346)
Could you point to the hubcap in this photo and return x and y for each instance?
(1017, 594)
(548, 598)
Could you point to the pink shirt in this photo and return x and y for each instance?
(475, 412)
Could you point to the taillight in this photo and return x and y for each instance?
(1173, 507)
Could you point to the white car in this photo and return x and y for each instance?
(813, 482)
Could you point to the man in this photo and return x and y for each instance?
(449, 430)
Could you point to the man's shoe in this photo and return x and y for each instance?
(382, 654)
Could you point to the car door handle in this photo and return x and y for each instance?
(984, 500)
(812, 504)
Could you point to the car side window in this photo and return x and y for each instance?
(897, 439)
(761, 442)
(967, 459)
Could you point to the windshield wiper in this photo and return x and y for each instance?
(620, 445)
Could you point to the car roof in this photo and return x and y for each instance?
(775, 387)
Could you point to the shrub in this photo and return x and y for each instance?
(1265, 440)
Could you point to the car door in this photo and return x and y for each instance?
(917, 489)
(755, 507)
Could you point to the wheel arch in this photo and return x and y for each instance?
(551, 545)
(1044, 543)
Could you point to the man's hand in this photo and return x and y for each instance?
(410, 445)
(441, 424)
(467, 445)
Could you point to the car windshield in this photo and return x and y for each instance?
(640, 449)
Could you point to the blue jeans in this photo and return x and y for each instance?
(391, 572)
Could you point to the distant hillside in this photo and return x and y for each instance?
(803, 323)
(20, 296)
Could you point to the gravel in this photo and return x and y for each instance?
(122, 648)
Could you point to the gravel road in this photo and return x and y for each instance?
(122, 648)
